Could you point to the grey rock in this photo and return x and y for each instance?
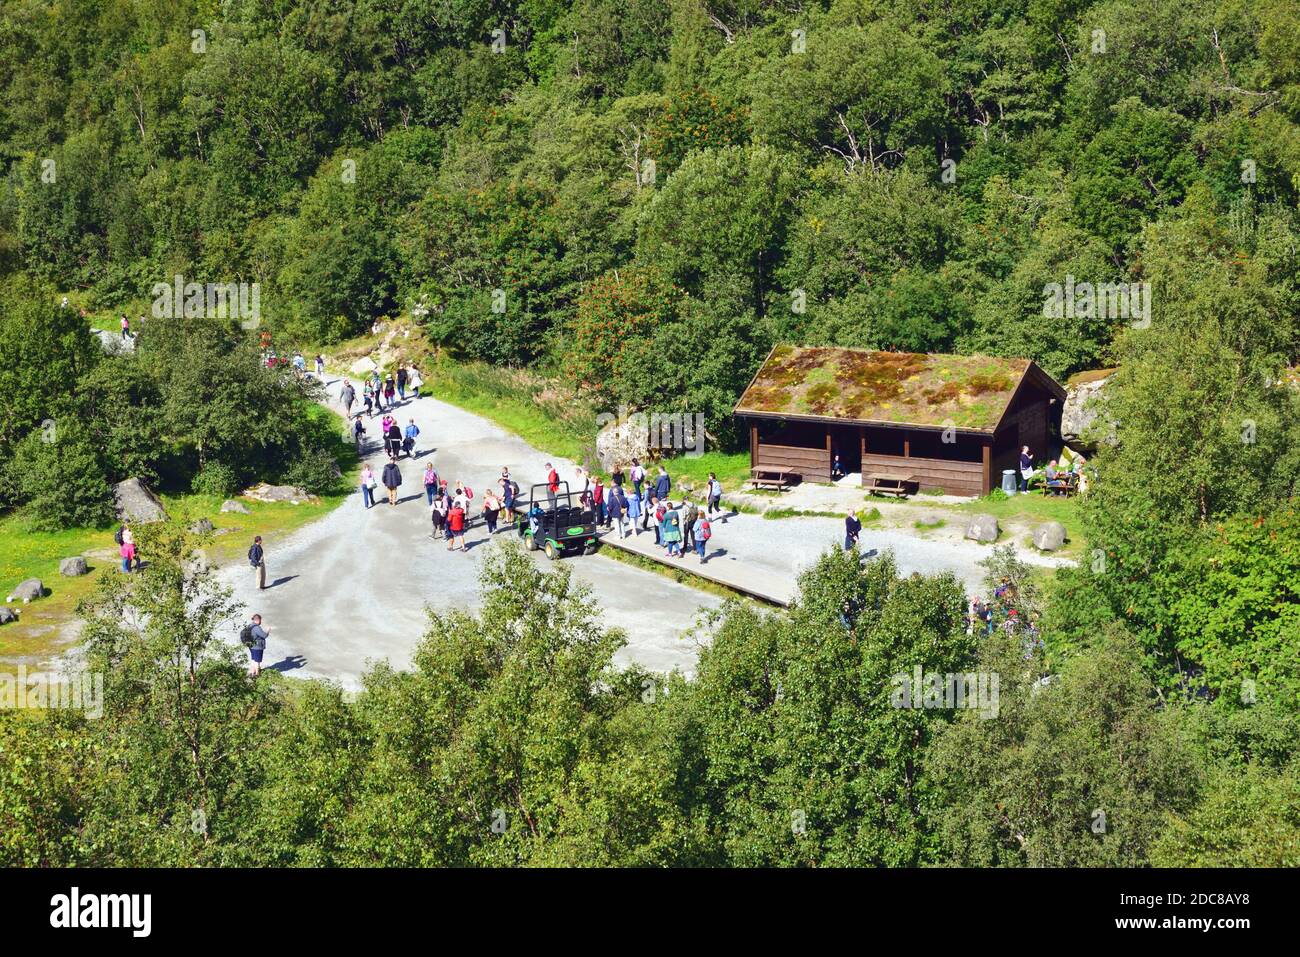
(278, 493)
(930, 520)
(28, 590)
(1049, 536)
(618, 443)
(230, 505)
(7, 615)
(72, 567)
(1080, 411)
(202, 527)
(982, 528)
(135, 503)
(363, 366)
(112, 343)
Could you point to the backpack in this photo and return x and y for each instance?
(469, 492)
(117, 536)
(706, 530)
(246, 636)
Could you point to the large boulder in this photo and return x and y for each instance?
(618, 443)
(72, 567)
(982, 528)
(262, 492)
(202, 527)
(230, 505)
(7, 615)
(26, 591)
(112, 343)
(363, 366)
(135, 503)
(1081, 407)
(1049, 536)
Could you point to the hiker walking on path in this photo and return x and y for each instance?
(689, 514)
(715, 495)
(359, 434)
(852, 528)
(430, 483)
(411, 433)
(257, 558)
(438, 510)
(415, 381)
(320, 367)
(632, 504)
(638, 477)
(368, 484)
(615, 509)
(598, 502)
(456, 529)
(393, 438)
(401, 382)
(347, 395)
(392, 480)
(390, 392)
(701, 533)
(126, 327)
(254, 638)
(670, 532)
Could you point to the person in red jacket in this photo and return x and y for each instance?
(456, 529)
(552, 483)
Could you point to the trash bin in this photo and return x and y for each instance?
(1009, 481)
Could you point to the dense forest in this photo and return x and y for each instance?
(641, 197)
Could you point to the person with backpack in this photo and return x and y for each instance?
(253, 637)
(257, 558)
(637, 474)
(390, 392)
(394, 439)
(438, 510)
(392, 480)
(368, 484)
(689, 514)
(408, 441)
(456, 529)
(657, 511)
(430, 483)
(703, 531)
(715, 495)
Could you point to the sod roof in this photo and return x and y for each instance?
(893, 388)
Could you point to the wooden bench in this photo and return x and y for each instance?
(882, 483)
(763, 476)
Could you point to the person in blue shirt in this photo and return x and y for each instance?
(408, 443)
(663, 485)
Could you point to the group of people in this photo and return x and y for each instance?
(1060, 475)
(1003, 612)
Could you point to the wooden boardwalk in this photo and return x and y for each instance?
(722, 568)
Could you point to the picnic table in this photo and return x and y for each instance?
(768, 476)
(1068, 484)
(887, 483)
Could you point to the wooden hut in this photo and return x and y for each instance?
(943, 421)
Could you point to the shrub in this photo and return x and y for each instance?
(314, 470)
(215, 478)
(64, 482)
